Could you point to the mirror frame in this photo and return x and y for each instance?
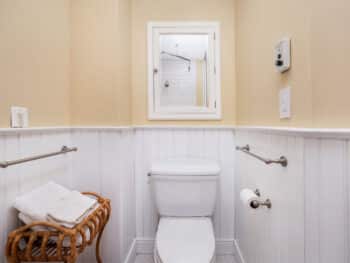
(155, 112)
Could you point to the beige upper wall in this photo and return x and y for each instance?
(72, 59)
(320, 61)
(144, 11)
(330, 62)
(68, 61)
(34, 60)
(260, 24)
(100, 62)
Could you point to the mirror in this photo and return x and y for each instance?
(183, 71)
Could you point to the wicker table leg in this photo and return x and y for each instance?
(72, 260)
(105, 221)
(98, 256)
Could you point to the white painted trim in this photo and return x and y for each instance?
(63, 129)
(214, 127)
(305, 132)
(150, 68)
(341, 133)
(169, 116)
(34, 129)
(183, 23)
(131, 256)
(238, 253)
(145, 246)
(225, 247)
(103, 128)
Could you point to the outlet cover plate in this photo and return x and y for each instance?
(19, 117)
(285, 103)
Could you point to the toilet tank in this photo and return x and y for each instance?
(185, 187)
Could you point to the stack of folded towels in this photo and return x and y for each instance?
(54, 203)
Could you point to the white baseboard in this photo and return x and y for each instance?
(238, 253)
(131, 256)
(145, 246)
(225, 247)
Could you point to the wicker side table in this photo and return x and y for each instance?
(59, 243)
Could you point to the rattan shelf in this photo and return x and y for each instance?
(59, 243)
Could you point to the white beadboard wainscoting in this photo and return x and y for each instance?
(18, 179)
(309, 219)
(114, 162)
(161, 143)
(104, 164)
(308, 222)
(219, 259)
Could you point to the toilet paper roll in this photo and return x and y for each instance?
(247, 196)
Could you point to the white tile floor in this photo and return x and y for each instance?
(149, 259)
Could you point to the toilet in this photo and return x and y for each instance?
(185, 195)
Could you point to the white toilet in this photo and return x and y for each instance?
(185, 195)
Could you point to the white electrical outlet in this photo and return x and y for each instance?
(285, 103)
(19, 117)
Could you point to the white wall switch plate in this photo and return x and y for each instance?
(285, 103)
(19, 117)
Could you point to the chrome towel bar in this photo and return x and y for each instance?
(63, 150)
(246, 149)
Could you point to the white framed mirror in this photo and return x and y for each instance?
(184, 71)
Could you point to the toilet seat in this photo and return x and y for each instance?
(185, 240)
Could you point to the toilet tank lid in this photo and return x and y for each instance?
(194, 167)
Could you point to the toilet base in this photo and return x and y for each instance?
(185, 240)
(157, 259)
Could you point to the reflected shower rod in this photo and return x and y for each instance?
(177, 56)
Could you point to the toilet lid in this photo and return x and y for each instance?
(185, 240)
(183, 167)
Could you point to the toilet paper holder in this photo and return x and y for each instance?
(257, 203)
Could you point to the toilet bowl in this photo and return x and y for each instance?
(185, 240)
(185, 195)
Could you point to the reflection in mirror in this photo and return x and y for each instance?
(183, 70)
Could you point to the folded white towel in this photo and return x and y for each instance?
(28, 220)
(37, 202)
(66, 242)
(71, 208)
(55, 203)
